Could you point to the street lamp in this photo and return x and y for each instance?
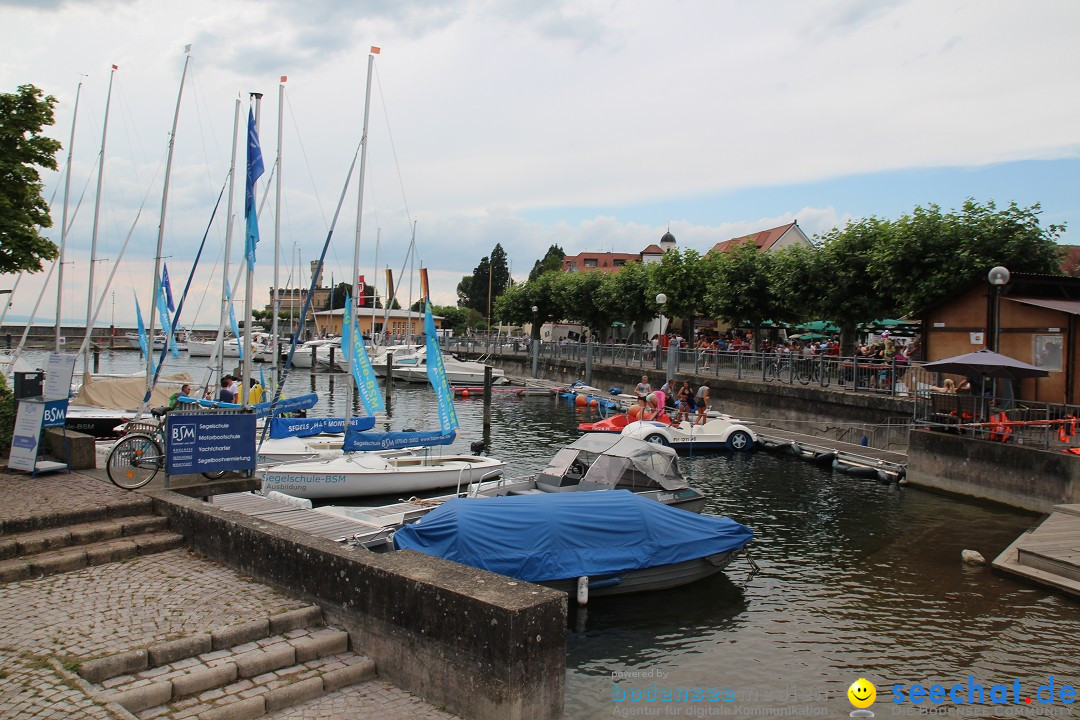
(998, 277)
(661, 300)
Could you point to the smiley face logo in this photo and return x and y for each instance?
(862, 693)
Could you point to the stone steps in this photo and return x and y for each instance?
(236, 672)
(35, 549)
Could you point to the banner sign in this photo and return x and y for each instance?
(395, 440)
(55, 413)
(58, 371)
(288, 405)
(24, 437)
(210, 442)
(436, 373)
(304, 427)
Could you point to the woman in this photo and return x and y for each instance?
(702, 400)
(686, 402)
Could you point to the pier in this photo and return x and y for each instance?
(1049, 553)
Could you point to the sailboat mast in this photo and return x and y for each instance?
(97, 215)
(276, 304)
(161, 226)
(375, 285)
(351, 317)
(249, 285)
(412, 256)
(64, 220)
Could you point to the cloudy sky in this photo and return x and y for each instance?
(593, 124)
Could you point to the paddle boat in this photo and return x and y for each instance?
(720, 433)
(586, 544)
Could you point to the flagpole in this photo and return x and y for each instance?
(350, 314)
(97, 213)
(249, 285)
(276, 302)
(161, 230)
(64, 220)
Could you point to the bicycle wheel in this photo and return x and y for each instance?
(134, 461)
(804, 372)
(214, 475)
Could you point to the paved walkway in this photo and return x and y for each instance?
(52, 623)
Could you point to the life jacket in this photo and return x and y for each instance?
(1072, 451)
(999, 428)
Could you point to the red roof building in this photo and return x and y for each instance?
(772, 239)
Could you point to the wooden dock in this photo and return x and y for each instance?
(1049, 553)
(338, 528)
(846, 457)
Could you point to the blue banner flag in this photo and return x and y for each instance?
(232, 321)
(436, 372)
(166, 322)
(254, 172)
(167, 286)
(360, 442)
(352, 342)
(306, 427)
(142, 327)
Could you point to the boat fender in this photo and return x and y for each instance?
(794, 449)
(824, 456)
(615, 391)
(606, 583)
(583, 590)
(883, 477)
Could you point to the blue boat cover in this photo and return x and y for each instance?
(555, 536)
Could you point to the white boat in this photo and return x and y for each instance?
(159, 342)
(391, 352)
(232, 347)
(413, 368)
(369, 473)
(302, 354)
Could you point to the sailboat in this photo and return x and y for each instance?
(372, 463)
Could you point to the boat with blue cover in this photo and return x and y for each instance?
(617, 541)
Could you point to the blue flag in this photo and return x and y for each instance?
(254, 172)
(352, 343)
(167, 287)
(142, 327)
(166, 324)
(436, 372)
(232, 321)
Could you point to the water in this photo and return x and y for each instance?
(856, 579)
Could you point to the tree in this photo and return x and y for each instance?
(489, 280)
(583, 297)
(552, 260)
(740, 290)
(22, 150)
(631, 293)
(684, 277)
(516, 304)
(337, 296)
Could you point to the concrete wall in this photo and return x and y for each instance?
(478, 644)
(1010, 474)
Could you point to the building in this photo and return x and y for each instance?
(398, 322)
(1039, 324)
(613, 261)
(772, 239)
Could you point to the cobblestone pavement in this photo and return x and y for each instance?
(51, 623)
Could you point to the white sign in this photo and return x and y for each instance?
(24, 438)
(976, 338)
(58, 374)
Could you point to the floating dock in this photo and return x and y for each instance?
(1049, 553)
(848, 458)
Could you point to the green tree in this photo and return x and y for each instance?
(516, 304)
(630, 292)
(584, 298)
(552, 260)
(684, 276)
(488, 281)
(337, 296)
(22, 150)
(740, 291)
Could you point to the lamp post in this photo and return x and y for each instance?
(998, 277)
(535, 341)
(661, 300)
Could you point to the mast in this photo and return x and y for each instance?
(276, 304)
(64, 220)
(412, 257)
(250, 280)
(97, 214)
(351, 317)
(375, 286)
(161, 228)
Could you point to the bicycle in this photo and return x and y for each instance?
(137, 458)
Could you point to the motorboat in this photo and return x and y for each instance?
(374, 473)
(413, 368)
(586, 544)
(103, 404)
(232, 347)
(605, 461)
(159, 342)
(391, 353)
(302, 356)
(720, 433)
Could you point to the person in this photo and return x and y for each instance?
(701, 399)
(224, 394)
(669, 390)
(948, 387)
(255, 395)
(686, 402)
(642, 390)
(174, 399)
(652, 407)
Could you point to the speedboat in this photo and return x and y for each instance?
(302, 356)
(603, 543)
(720, 433)
(372, 473)
(391, 353)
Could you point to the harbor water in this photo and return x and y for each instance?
(854, 579)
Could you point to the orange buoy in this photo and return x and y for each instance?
(581, 400)
(594, 403)
(634, 412)
(464, 393)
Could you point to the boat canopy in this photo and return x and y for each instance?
(545, 537)
(123, 393)
(611, 460)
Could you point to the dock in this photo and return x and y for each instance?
(1049, 553)
(861, 460)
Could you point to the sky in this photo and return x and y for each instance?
(592, 124)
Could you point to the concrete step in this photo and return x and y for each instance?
(136, 505)
(1065, 565)
(76, 557)
(39, 541)
(246, 680)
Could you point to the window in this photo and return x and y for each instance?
(1048, 352)
(619, 262)
(590, 262)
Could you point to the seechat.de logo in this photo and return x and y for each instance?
(862, 694)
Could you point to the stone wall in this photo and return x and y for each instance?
(478, 644)
(1014, 475)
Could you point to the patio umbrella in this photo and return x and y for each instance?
(819, 326)
(986, 362)
(809, 336)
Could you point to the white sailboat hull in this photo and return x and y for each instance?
(358, 474)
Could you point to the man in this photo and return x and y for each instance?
(174, 399)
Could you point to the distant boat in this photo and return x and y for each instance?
(413, 368)
(159, 342)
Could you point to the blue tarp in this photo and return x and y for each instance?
(555, 536)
